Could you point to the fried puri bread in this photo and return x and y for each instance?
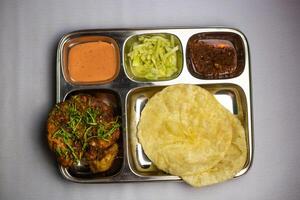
(186, 132)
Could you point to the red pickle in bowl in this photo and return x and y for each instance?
(212, 58)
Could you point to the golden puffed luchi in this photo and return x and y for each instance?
(186, 132)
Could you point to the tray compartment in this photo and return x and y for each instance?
(133, 39)
(78, 173)
(219, 43)
(229, 95)
(80, 39)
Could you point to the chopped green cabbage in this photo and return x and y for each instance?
(154, 57)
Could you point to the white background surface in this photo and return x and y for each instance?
(29, 32)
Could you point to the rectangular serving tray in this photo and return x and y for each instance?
(233, 93)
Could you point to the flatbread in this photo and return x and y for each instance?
(184, 130)
(227, 168)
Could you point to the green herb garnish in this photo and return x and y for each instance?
(72, 150)
(81, 125)
(104, 133)
(74, 119)
(90, 117)
(85, 138)
(62, 133)
(58, 151)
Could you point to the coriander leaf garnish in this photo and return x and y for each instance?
(72, 150)
(58, 151)
(104, 132)
(90, 117)
(74, 118)
(62, 133)
(77, 122)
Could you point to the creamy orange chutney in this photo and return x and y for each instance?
(92, 62)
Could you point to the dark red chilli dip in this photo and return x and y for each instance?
(212, 58)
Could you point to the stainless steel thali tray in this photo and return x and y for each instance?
(131, 96)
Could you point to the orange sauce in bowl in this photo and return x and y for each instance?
(92, 62)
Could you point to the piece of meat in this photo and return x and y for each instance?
(107, 143)
(106, 162)
(97, 146)
(57, 145)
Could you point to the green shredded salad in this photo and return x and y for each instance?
(154, 57)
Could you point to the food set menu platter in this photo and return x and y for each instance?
(129, 93)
